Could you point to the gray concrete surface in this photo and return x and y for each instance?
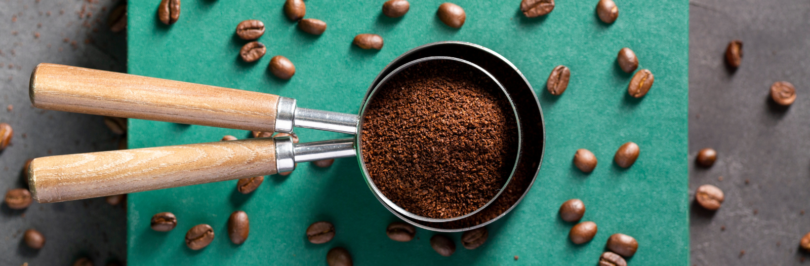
(32, 32)
(730, 111)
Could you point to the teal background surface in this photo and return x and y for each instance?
(647, 201)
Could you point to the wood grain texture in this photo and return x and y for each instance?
(90, 175)
(88, 91)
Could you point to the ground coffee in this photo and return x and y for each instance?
(440, 139)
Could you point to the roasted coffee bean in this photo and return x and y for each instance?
(312, 26)
(399, 231)
(295, 9)
(5, 135)
(626, 155)
(622, 244)
(338, 257)
(706, 157)
(163, 222)
(368, 41)
(783, 93)
(169, 11)
(558, 80)
(396, 8)
(582, 232)
(238, 227)
(572, 210)
(260, 134)
(83, 262)
(34, 239)
(443, 245)
(805, 243)
(585, 160)
(474, 238)
(452, 15)
(247, 185)
(709, 197)
(627, 59)
(252, 51)
(611, 259)
(536, 8)
(18, 198)
(199, 236)
(734, 53)
(116, 124)
(250, 29)
(115, 199)
(641, 83)
(320, 232)
(607, 10)
(324, 163)
(228, 138)
(117, 20)
(282, 67)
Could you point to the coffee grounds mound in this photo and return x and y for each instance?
(440, 139)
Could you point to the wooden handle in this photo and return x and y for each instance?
(88, 91)
(89, 175)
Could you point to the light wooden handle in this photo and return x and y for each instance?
(88, 91)
(89, 175)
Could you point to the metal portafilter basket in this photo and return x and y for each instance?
(80, 176)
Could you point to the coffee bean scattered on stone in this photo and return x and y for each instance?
(34, 239)
(443, 245)
(238, 227)
(536, 8)
(117, 20)
(396, 8)
(247, 185)
(6, 132)
(585, 160)
(250, 29)
(169, 11)
(312, 26)
(18, 198)
(295, 9)
(709, 197)
(611, 259)
(607, 11)
(627, 59)
(734, 53)
(199, 236)
(805, 243)
(163, 222)
(452, 15)
(626, 155)
(320, 232)
(252, 51)
(572, 210)
(282, 68)
(641, 83)
(558, 80)
(474, 238)
(783, 93)
(622, 244)
(582, 232)
(401, 232)
(368, 41)
(706, 157)
(116, 124)
(338, 257)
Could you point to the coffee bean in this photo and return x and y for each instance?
(320, 232)
(622, 244)
(558, 80)
(396, 8)
(238, 227)
(368, 41)
(228, 138)
(585, 160)
(474, 238)
(117, 20)
(709, 197)
(611, 259)
(452, 15)
(582, 232)
(6, 132)
(260, 134)
(805, 243)
(324, 163)
(607, 11)
(338, 257)
(282, 67)
(18, 198)
(312, 26)
(706, 157)
(626, 155)
(572, 210)
(163, 222)
(734, 53)
(252, 51)
(247, 185)
(536, 8)
(627, 59)
(199, 236)
(783, 93)
(399, 231)
(169, 11)
(83, 262)
(443, 245)
(116, 124)
(34, 239)
(295, 9)
(250, 29)
(641, 83)
(115, 199)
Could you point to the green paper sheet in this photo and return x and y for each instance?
(647, 201)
